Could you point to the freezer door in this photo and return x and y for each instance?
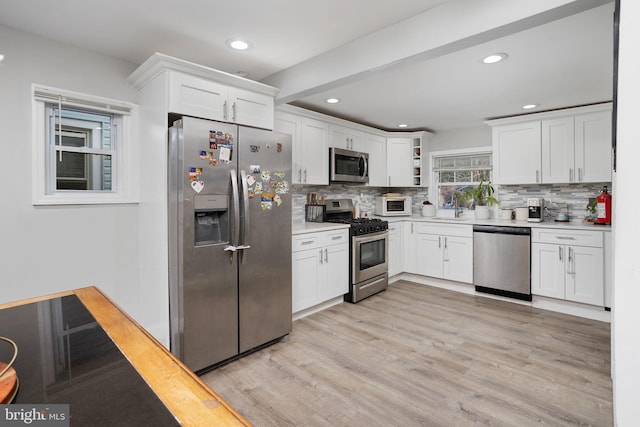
(204, 220)
(265, 267)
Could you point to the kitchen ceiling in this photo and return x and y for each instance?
(560, 62)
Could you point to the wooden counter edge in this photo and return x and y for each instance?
(186, 396)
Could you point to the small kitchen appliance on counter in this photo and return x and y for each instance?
(536, 209)
(393, 204)
(368, 252)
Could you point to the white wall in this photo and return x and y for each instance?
(56, 248)
(461, 138)
(626, 226)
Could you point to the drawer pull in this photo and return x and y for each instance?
(308, 242)
(565, 238)
(336, 238)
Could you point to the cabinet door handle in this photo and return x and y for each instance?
(560, 253)
(446, 249)
(411, 228)
(225, 110)
(321, 262)
(305, 176)
(326, 255)
(233, 109)
(537, 176)
(570, 266)
(579, 174)
(570, 175)
(439, 242)
(300, 175)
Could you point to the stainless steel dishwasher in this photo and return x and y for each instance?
(502, 260)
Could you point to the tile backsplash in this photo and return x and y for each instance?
(576, 196)
(364, 196)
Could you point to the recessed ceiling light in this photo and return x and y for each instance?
(239, 44)
(1, 57)
(403, 125)
(496, 57)
(529, 106)
(332, 100)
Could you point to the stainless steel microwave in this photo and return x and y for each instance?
(393, 206)
(348, 166)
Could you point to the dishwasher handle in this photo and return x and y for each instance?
(499, 229)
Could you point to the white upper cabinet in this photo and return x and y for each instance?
(314, 152)
(198, 97)
(516, 153)
(291, 124)
(558, 150)
(399, 162)
(346, 138)
(195, 96)
(376, 146)
(593, 157)
(199, 91)
(395, 158)
(310, 141)
(249, 108)
(565, 146)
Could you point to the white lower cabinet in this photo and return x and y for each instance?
(444, 251)
(320, 267)
(409, 246)
(568, 264)
(395, 249)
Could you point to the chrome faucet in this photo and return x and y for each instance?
(456, 209)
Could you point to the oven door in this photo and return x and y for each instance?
(370, 256)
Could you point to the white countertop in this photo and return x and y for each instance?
(571, 225)
(314, 227)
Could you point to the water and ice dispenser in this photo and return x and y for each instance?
(211, 219)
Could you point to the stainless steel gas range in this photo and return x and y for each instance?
(369, 253)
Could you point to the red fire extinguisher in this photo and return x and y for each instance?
(604, 207)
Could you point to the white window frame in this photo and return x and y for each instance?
(433, 196)
(125, 178)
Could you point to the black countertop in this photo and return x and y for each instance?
(66, 357)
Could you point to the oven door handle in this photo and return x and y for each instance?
(370, 237)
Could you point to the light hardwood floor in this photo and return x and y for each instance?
(416, 355)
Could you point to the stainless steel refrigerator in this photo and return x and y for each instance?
(229, 239)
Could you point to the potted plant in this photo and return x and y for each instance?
(482, 196)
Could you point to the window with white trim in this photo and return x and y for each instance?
(456, 172)
(82, 150)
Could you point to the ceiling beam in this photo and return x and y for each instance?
(450, 27)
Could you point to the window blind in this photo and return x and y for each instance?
(71, 99)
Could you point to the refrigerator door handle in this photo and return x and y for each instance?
(235, 197)
(244, 242)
